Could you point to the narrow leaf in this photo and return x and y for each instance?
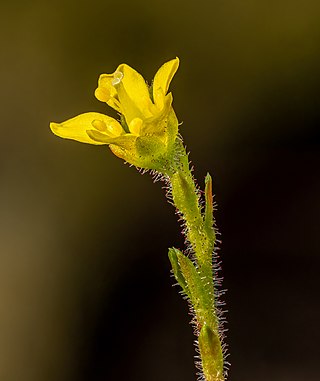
(208, 215)
(201, 300)
(177, 270)
(211, 354)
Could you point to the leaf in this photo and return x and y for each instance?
(177, 270)
(211, 354)
(208, 214)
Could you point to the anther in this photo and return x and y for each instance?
(117, 77)
(99, 125)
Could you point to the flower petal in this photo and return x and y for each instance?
(162, 80)
(76, 128)
(133, 93)
(156, 125)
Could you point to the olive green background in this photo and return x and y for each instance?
(85, 286)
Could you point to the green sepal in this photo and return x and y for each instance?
(148, 148)
(211, 354)
(173, 256)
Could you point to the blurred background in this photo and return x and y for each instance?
(85, 286)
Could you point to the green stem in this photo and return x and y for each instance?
(196, 276)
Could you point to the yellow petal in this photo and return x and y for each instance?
(76, 128)
(133, 93)
(156, 125)
(162, 80)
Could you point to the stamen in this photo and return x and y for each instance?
(135, 126)
(102, 94)
(99, 125)
(117, 77)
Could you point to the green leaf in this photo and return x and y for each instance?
(201, 299)
(211, 354)
(177, 270)
(208, 215)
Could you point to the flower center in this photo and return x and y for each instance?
(117, 77)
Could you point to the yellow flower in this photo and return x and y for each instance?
(148, 127)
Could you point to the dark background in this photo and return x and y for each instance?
(85, 286)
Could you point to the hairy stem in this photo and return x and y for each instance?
(196, 275)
